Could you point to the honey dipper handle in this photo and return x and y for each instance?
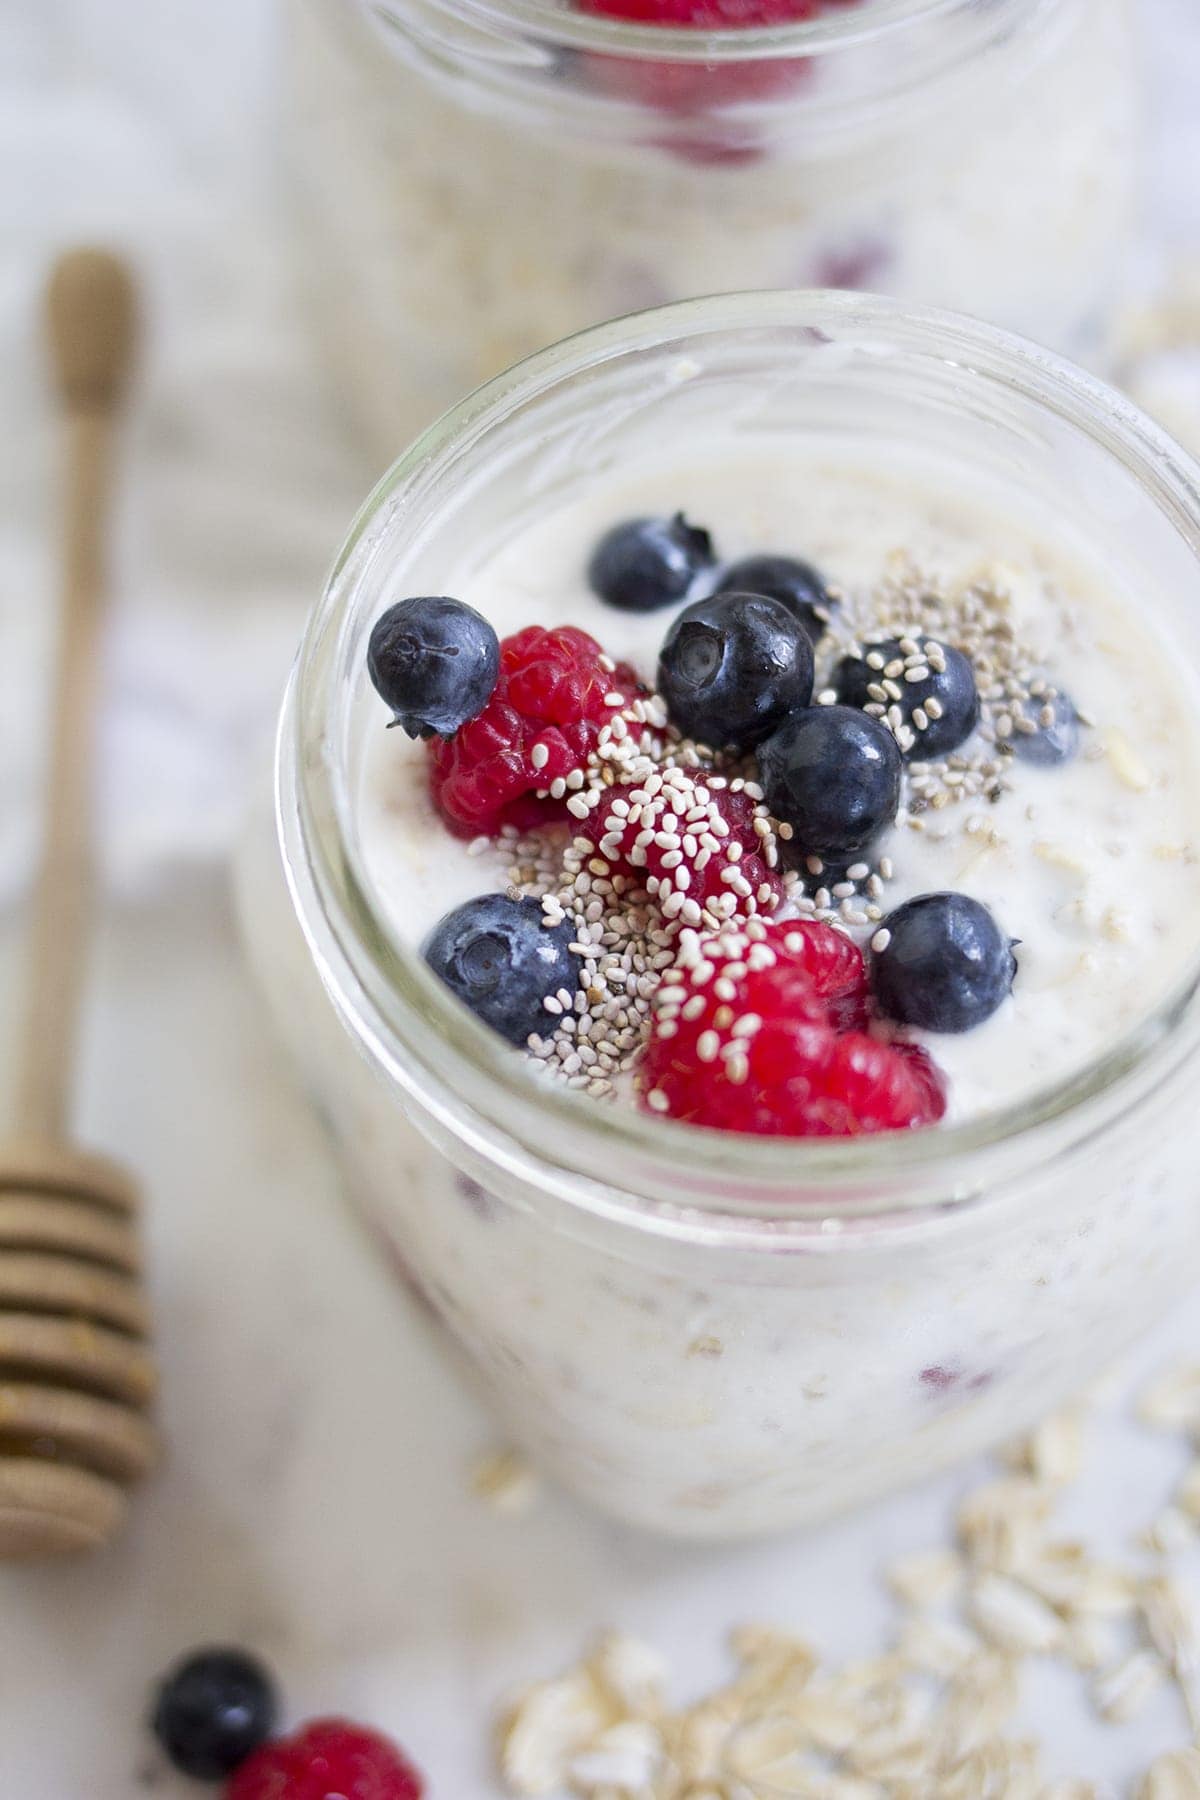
(89, 313)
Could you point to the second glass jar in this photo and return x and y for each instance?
(483, 177)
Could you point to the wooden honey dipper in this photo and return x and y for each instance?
(76, 1375)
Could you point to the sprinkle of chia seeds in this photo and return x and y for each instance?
(645, 791)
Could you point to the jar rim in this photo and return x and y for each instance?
(844, 29)
(410, 1023)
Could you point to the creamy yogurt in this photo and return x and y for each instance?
(1094, 865)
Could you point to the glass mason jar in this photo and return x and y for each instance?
(482, 177)
(713, 1335)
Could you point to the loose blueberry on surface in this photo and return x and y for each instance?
(947, 965)
(832, 774)
(499, 957)
(434, 661)
(1051, 744)
(794, 584)
(212, 1711)
(643, 564)
(952, 690)
(733, 667)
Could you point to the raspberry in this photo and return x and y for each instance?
(706, 15)
(746, 1038)
(688, 89)
(925, 1072)
(331, 1759)
(676, 840)
(550, 695)
(870, 1086)
(835, 965)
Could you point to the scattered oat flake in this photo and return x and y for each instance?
(1119, 1693)
(931, 1717)
(1171, 1532)
(506, 1481)
(937, 1646)
(1172, 1402)
(927, 1577)
(546, 1729)
(1173, 1777)
(627, 1757)
(1187, 1494)
(632, 1673)
(1053, 1451)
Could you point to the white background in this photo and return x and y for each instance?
(315, 1501)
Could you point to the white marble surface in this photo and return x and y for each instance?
(315, 1498)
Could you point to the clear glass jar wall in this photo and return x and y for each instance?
(483, 177)
(704, 1335)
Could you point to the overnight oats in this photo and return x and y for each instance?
(486, 176)
(770, 927)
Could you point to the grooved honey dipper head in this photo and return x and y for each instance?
(77, 1380)
(90, 317)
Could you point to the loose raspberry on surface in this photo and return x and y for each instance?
(555, 691)
(331, 1759)
(746, 1038)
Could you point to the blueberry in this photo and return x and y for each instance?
(435, 662)
(947, 964)
(499, 957)
(643, 564)
(794, 584)
(733, 667)
(833, 775)
(212, 1710)
(1050, 744)
(952, 690)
